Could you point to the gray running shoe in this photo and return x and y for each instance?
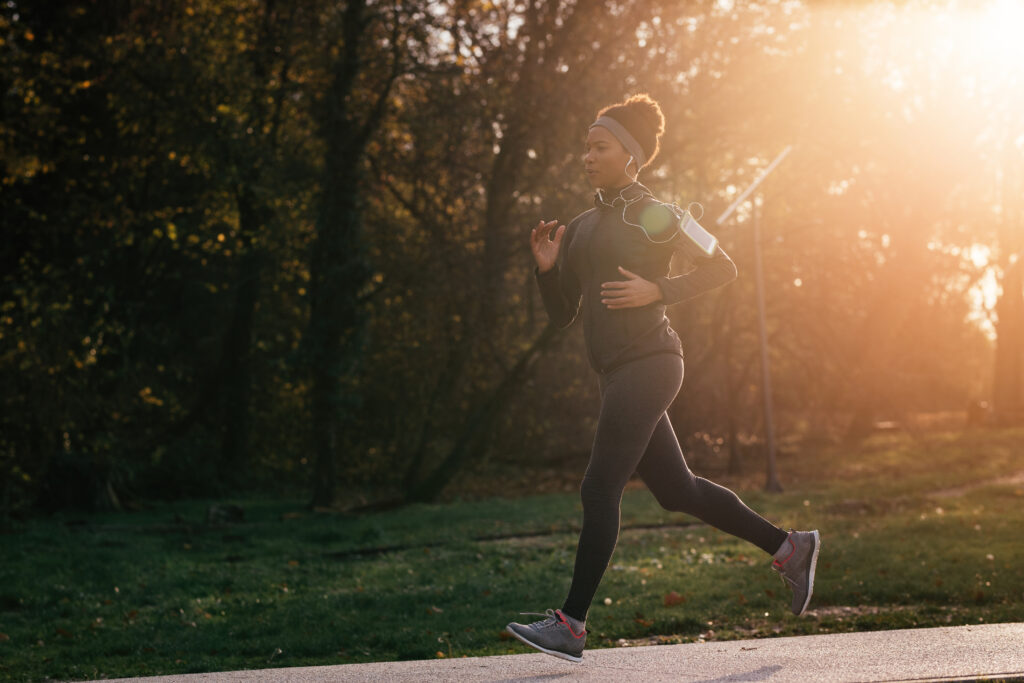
(552, 635)
(795, 562)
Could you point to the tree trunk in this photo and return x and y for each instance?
(337, 324)
(237, 373)
(1007, 390)
(339, 268)
(731, 403)
(1008, 397)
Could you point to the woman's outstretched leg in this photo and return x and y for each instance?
(663, 468)
(665, 472)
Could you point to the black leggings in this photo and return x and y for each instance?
(634, 434)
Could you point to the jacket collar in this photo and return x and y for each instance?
(620, 197)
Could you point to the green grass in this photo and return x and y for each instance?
(140, 594)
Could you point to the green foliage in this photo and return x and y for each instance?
(126, 240)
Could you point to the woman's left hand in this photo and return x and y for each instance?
(630, 293)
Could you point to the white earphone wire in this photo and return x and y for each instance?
(625, 169)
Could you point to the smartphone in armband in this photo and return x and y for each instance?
(663, 223)
(696, 232)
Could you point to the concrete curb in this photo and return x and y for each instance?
(982, 652)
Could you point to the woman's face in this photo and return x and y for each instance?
(605, 160)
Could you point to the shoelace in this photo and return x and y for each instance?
(787, 579)
(552, 618)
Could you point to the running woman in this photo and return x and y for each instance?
(607, 268)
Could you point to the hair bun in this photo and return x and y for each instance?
(648, 110)
(641, 115)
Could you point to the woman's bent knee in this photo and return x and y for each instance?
(682, 498)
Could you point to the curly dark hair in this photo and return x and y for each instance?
(641, 115)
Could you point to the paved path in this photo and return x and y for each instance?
(989, 651)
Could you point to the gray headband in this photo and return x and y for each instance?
(623, 135)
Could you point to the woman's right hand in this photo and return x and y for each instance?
(545, 251)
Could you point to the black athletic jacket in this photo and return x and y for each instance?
(595, 243)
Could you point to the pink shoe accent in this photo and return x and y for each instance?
(561, 617)
(776, 563)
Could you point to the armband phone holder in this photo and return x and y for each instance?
(663, 223)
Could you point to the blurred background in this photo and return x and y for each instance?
(282, 247)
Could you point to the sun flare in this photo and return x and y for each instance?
(994, 32)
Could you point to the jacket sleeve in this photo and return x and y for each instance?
(709, 273)
(559, 286)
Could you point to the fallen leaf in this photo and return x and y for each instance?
(66, 634)
(674, 598)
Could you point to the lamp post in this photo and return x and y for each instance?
(772, 477)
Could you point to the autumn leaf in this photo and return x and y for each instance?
(673, 598)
